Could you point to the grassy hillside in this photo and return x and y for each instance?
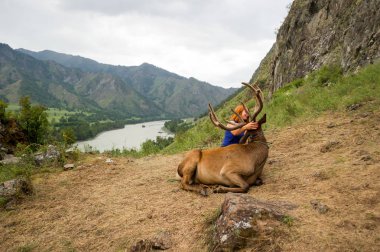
(101, 206)
(322, 90)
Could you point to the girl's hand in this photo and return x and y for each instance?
(251, 126)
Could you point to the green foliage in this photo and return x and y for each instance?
(86, 126)
(323, 90)
(11, 171)
(149, 147)
(26, 248)
(325, 76)
(3, 202)
(288, 220)
(3, 106)
(33, 120)
(209, 227)
(68, 136)
(177, 126)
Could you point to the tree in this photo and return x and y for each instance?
(3, 106)
(68, 136)
(33, 121)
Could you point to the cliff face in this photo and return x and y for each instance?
(319, 32)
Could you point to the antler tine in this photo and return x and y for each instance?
(231, 122)
(246, 111)
(216, 122)
(258, 97)
(237, 114)
(259, 100)
(244, 138)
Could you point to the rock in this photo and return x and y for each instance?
(109, 161)
(162, 241)
(366, 158)
(320, 175)
(15, 189)
(321, 33)
(39, 158)
(67, 167)
(272, 161)
(50, 154)
(329, 146)
(331, 125)
(244, 218)
(142, 246)
(320, 207)
(10, 159)
(353, 107)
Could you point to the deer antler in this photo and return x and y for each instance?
(246, 110)
(258, 108)
(258, 97)
(216, 122)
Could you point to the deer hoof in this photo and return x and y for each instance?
(258, 182)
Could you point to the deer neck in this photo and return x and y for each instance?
(257, 136)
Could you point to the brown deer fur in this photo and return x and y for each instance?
(234, 168)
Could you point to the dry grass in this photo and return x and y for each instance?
(109, 207)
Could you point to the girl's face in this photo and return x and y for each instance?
(244, 115)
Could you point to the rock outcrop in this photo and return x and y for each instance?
(322, 32)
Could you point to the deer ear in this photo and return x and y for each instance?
(263, 119)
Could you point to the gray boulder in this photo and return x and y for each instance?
(51, 154)
(13, 190)
(244, 219)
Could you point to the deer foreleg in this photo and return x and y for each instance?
(252, 179)
(235, 179)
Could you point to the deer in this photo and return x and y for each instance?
(234, 168)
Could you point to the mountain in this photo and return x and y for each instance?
(174, 94)
(55, 85)
(345, 33)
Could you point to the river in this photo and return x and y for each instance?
(131, 136)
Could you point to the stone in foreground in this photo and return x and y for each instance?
(244, 218)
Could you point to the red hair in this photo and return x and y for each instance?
(239, 109)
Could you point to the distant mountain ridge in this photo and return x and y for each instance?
(61, 80)
(55, 85)
(170, 92)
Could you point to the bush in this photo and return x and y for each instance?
(33, 120)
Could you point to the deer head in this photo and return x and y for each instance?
(249, 134)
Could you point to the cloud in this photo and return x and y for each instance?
(221, 42)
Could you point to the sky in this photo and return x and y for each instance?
(218, 41)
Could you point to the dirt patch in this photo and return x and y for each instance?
(101, 206)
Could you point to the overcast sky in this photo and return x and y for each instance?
(218, 41)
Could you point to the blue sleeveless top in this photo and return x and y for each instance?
(229, 138)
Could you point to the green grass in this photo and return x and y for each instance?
(288, 220)
(11, 171)
(53, 113)
(13, 107)
(324, 90)
(56, 114)
(26, 248)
